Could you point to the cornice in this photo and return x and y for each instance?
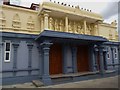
(18, 8)
(70, 10)
(107, 25)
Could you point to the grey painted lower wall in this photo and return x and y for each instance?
(112, 61)
(22, 59)
(22, 69)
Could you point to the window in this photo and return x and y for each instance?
(108, 55)
(7, 51)
(115, 53)
(115, 50)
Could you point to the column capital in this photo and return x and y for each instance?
(96, 48)
(46, 15)
(46, 44)
(101, 48)
(112, 48)
(30, 45)
(15, 45)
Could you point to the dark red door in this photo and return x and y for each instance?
(82, 59)
(55, 59)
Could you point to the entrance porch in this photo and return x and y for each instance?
(66, 53)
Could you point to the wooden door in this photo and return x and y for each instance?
(82, 59)
(55, 63)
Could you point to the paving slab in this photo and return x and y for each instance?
(111, 82)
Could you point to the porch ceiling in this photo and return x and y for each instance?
(56, 36)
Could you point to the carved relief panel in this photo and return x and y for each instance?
(56, 24)
(110, 35)
(62, 25)
(79, 28)
(16, 21)
(70, 27)
(51, 23)
(89, 29)
(30, 23)
(95, 29)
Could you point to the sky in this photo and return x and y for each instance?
(107, 8)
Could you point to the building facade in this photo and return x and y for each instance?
(53, 38)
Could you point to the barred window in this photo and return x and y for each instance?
(108, 55)
(115, 53)
(7, 51)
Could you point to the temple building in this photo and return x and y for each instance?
(53, 40)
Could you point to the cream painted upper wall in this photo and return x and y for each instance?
(40, 20)
(24, 15)
(108, 31)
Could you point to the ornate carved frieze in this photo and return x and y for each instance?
(51, 23)
(16, 22)
(56, 25)
(70, 27)
(30, 23)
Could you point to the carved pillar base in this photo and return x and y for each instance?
(46, 80)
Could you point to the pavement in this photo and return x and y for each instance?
(109, 82)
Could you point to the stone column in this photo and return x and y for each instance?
(46, 21)
(45, 48)
(113, 59)
(64, 49)
(105, 52)
(102, 71)
(30, 46)
(74, 59)
(96, 58)
(85, 26)
(15, 46)
(66, 24)
(92, 59)
(40, 61)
